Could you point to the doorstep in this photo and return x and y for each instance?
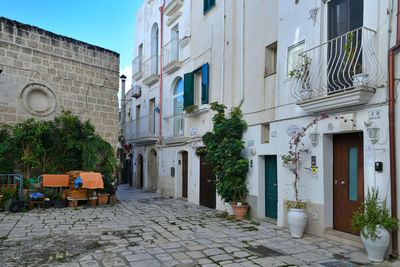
(346, 238)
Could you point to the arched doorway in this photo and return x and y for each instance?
(139, 171)
(152, 169)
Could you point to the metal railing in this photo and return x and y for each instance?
(150, 66)
(137, 65)
(12, 182)
(140, 128)
(171, 52)
(175, 125)
(338, 65)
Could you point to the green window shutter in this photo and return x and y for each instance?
(188, 90)
(204, 84)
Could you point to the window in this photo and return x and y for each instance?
(152, 116)
(154, 50)
(196, 87)
(293, 56)
(208, 4)
(270, 59)
(264, 133)
(178, 107)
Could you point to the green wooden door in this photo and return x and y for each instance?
(271, 187)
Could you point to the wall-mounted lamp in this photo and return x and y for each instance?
(314, 136)
(373, 133)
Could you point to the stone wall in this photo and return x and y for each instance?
(43, 73)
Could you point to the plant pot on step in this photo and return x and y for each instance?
(102, 199)
(7, 204)
(240, 211)
(297, 220)
(376, 248)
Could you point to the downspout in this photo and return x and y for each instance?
(392, 132)
(223, 53)
(242, 54)
(161, 77)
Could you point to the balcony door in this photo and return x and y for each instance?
(344, 49)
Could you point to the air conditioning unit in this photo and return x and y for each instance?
(136, 91)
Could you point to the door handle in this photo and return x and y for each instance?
(342, 182)
(275, 185)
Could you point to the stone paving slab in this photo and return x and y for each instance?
(147, 229)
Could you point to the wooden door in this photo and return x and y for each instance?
(184, 174)
(207, 186)
(140, 169)
(348, 178)
(271, 187)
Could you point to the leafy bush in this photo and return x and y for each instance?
(8, 152)
(224, 145)
(372, 213)
(58, 146)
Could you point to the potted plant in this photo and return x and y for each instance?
(374, 221)
(58, 201)
(224, 145)
(8, 197)
(296, 216)
(301, 74)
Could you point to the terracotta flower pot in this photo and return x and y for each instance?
(102, 199)
(240, 211)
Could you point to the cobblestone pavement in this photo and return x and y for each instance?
(147, 229)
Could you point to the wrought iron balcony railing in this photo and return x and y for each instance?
(140, 128)
(174, 126)
(339, 65)
(137, 67)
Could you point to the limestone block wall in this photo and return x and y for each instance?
(43, 73)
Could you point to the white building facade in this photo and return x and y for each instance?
(284, 63)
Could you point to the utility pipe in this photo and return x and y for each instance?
(392, 131)
(161, 77)
(123, 102)
(242, 54)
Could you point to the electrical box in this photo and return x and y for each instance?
(172, 172)
(378, 166)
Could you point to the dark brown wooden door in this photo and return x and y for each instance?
(140, 167)
(207, 186)
(348, 178)
(184, 174)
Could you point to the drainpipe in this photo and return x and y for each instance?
(242, 54)
(161, 80)
(392, 132)
(123, 79)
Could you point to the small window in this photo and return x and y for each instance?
(265, 133)
(208, 4)
(294, 60)
(270, 59)
(196, 87)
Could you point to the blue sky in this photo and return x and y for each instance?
(106, 23)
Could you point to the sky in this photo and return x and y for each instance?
(106, 23)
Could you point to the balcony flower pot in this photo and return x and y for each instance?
(360, 79)
(102, 199)
(297, 220)
(240, 211)
(47, 203)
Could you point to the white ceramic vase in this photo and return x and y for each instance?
(360, 79)
(376, 248)
(297, 220)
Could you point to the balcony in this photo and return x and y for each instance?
(171, 56)
(171, 6)
(141, 130)
(174, 128)
(137, 72)
(150, 69)
(340, 73)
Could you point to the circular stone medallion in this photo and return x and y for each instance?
(38, 99)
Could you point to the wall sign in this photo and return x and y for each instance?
(292, 130)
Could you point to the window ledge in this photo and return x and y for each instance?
(202, 109)
(269, 74)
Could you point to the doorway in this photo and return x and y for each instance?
(271, 187)
(184, 174)
(207, 186)
(140, 171)
(348, 178)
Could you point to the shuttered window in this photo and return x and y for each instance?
(196, 87)
(208, 4)
(188, 90)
